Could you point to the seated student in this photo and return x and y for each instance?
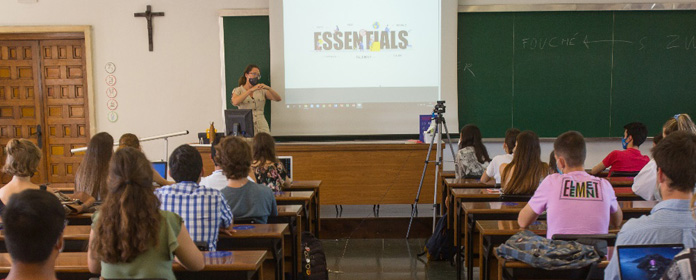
(553, 168)
(644, 184)
(525, 172)
(22, 162)
(493, 170)
(217, 180)
(92, 172)
(656, 139)
(472, 158)
(575, 202)
(33, 224)
(629, 159)
(670, 221)
(268, 170)
(131, 237)
(130, 140)
(204, 210)
(248, 200)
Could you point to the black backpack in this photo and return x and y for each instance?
(440, 245)
(313, 258)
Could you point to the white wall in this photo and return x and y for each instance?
(178, 86)
(522, 2)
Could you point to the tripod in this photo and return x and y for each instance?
(439, 124)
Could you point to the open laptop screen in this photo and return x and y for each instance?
(287, 162)
(646, 261)
(160, 167)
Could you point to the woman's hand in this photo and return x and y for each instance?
(270, 93)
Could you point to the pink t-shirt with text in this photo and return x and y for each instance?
(575, 203)
(629, 160)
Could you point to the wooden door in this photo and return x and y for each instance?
(65, 106)
(20, 98)
(43, 84)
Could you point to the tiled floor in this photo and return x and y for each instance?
(366, 259)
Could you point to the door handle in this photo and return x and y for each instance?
(39, 136)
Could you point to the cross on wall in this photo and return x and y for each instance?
(148, 14)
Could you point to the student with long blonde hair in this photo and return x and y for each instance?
(645, 183)
(22, 162)
(526, 170)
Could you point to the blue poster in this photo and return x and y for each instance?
(424, 125)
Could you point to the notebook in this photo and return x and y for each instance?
(645, 261)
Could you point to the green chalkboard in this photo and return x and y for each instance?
(588, 71)
(246, 42)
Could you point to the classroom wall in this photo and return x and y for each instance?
(523, 2)
(178, 86)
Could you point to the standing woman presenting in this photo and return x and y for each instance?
(250, 94)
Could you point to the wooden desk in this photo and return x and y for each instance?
(310, 186)
(304, 198)
(292, 216)
(494, 233)
(458, 196)
(268, 237)
(261, 237)
(474, 211)
(237, 265)
(348, 168)
(517, 269)
(452, 183)
(287, 214)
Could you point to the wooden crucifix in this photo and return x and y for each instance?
(148, 14)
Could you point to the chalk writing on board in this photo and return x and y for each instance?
(467, 67)
(587, 42)
(677, 41)
(551, 42)
(669, 42)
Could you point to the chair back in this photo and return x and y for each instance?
(610, 238)
(203, 246)
(623, 174)
(515, 197)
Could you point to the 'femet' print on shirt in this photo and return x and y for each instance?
(587, 190)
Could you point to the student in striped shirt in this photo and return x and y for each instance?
(204, 210)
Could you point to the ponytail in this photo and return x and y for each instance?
(680, 122)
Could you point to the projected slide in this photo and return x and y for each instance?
(376, 51)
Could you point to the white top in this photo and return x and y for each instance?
(493, 169)
(217, 180)
(645, 183)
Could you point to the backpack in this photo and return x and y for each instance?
(313, 258)
(440, 245)
(548, 254)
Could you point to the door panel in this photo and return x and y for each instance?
(20, 98)
(65, 106)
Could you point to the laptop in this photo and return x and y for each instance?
(645, 261)
(160, 167)
(287, 162)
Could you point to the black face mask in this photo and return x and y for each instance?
(253, 81)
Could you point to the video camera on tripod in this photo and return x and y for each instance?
(439, 107)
